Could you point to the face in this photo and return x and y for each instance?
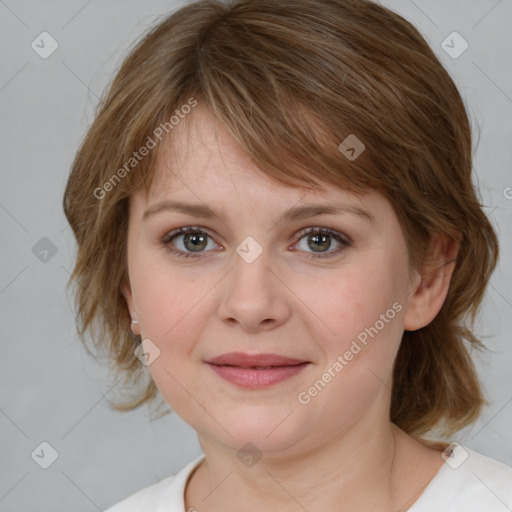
(329, 289)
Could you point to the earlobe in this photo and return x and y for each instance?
(427, 297)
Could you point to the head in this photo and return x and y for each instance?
(253, 108)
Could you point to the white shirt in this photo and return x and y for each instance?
(466, 482)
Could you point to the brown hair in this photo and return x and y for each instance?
(290, 80)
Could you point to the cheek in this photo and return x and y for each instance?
(172, 311)
(168, 298)
(356, 303)
(363, 311)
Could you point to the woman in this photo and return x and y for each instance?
(275, 215)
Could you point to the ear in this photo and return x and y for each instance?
(127, 292)
(427, 297)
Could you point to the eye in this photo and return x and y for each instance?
(194, 240)
(320, 241)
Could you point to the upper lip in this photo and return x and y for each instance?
(248, 360)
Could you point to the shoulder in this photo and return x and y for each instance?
(468, 481)
(166, 495)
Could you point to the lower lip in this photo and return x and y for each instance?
(256, 379)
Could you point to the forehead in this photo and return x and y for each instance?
(202, 164)
(201, 154)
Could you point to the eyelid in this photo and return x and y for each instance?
(326, 230)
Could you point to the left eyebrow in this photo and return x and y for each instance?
(311, 210)
(293, 214)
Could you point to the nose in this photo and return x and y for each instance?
(255, 296)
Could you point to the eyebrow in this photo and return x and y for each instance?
(295, 213)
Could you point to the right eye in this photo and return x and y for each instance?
(194, 241)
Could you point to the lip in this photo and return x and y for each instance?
(239, 369)
(248, 360)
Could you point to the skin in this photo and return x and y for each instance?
(339, 451)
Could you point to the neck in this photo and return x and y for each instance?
(364, 469)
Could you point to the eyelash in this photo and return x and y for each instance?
(343, 240)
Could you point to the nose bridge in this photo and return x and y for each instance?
(251, 275)
(253, 294)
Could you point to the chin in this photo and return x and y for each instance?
(270, 432)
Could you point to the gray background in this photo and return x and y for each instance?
(51, 390)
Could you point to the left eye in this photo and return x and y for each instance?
(195, 241)
(320, 241)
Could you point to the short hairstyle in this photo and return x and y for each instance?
(291, 80)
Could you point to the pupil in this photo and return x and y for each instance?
(197, 240)
(323, 239)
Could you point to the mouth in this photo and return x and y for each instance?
(257, 377)
(264, 361)
(257, 368)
